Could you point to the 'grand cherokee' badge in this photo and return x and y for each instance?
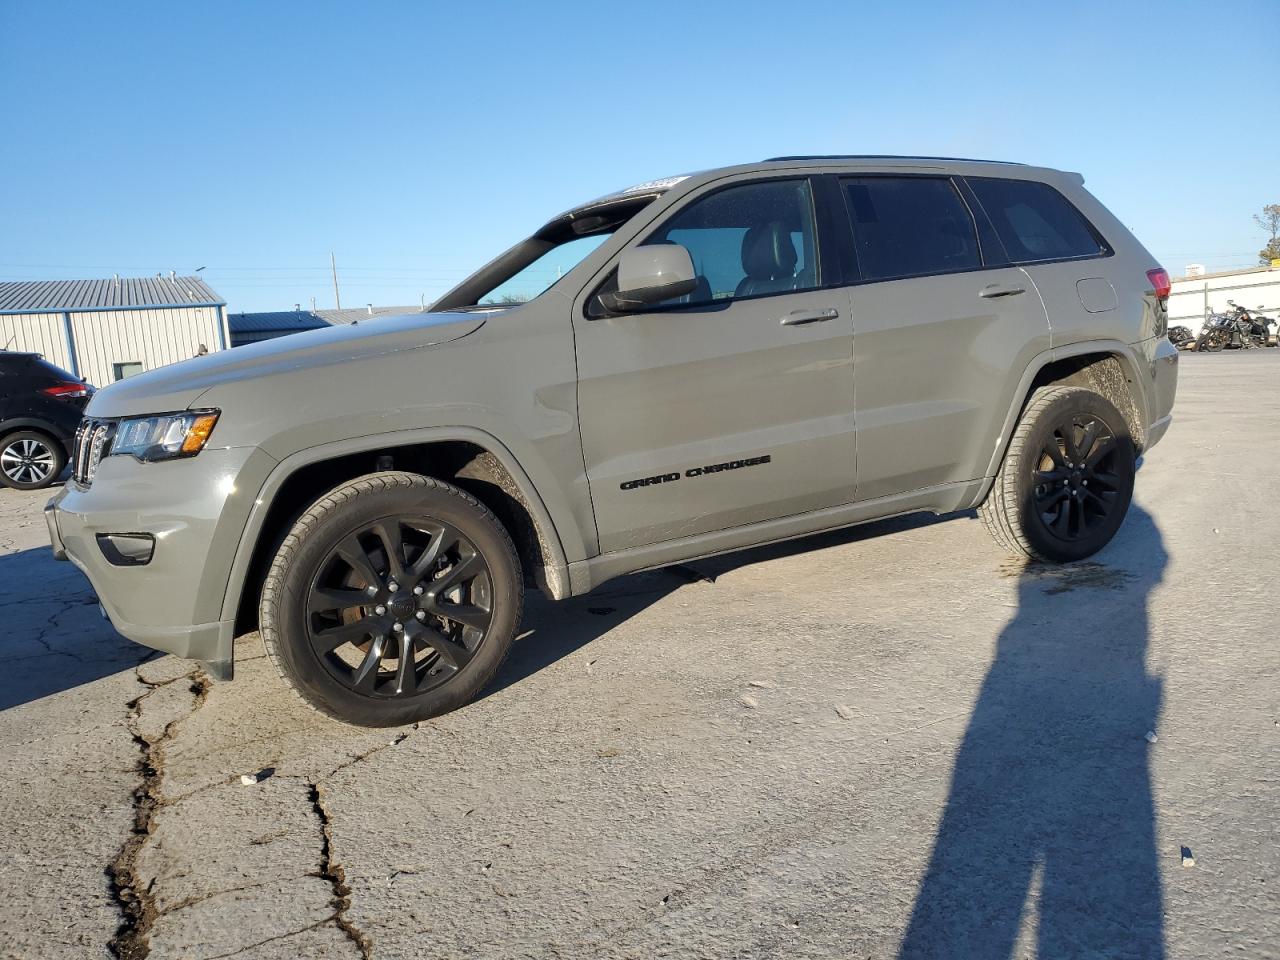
(696, 472)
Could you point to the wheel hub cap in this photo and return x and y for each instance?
(399, 607)
(1076, 483)
(27, 461)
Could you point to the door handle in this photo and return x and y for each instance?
(994, 290)
(798, 317)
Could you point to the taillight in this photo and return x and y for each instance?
(1159, 278)
(66, 390)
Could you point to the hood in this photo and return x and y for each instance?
(180, 385)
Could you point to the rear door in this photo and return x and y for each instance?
(734, 404)
(1062, 252)
(941, 325)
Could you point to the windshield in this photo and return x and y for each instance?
(544, 271)
(533, 266)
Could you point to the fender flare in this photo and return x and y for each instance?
(1123, 352)
(555, 572)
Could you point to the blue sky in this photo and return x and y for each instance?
(417, 140)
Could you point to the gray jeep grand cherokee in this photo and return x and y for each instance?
(688, 367)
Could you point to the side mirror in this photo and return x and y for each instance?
(649, 275)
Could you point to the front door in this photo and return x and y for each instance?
(735, 404)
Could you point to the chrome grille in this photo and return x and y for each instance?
(93, 441)
(83, 433)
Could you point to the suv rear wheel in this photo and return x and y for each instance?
(1067, 477)
(30, 460)
(394, 598)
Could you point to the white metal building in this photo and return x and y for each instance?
(106, 330)
(1194, 296)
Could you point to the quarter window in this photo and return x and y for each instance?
(910, 227)
(1034, 221)
(749, 240)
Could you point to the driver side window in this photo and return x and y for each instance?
(749, 240)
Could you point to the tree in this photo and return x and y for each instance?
(1270, 222)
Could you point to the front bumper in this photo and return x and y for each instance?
(196, 511)
(55, 538)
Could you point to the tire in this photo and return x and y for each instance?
(1028, 511)
(336, 611)
(30, 460)
(1211, 343)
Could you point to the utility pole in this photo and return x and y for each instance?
(333, 264)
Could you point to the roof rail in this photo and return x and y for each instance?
(882, 156)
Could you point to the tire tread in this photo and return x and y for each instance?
(999, 512)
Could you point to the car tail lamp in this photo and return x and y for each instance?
(1159, 278)
(67, 390)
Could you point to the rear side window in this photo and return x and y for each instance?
(1036, 222)
(910, 227)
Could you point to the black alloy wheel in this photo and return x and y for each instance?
(1077, 485)
(1064, 487)
(400, 606)
(394, 597)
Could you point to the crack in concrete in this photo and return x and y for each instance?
(186, 902)
(64, 606)
(333, 871)
(372, 751)
(136, 901)
(279, 936)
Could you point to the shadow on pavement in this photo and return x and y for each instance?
(552, 630)
(53, 637)
(1051, 787)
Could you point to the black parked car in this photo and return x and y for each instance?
(40, 408)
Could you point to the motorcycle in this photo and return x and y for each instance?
(1181, 336)
(1254, 323)
(1237, 329)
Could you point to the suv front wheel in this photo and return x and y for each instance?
(1067, 477)
(394, 598)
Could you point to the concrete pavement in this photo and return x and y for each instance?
(889, 741)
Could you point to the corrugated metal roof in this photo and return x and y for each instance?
(295, 321)
(278, 320)
(52, 296)
(339, 317)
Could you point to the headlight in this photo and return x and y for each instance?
(166, 436)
